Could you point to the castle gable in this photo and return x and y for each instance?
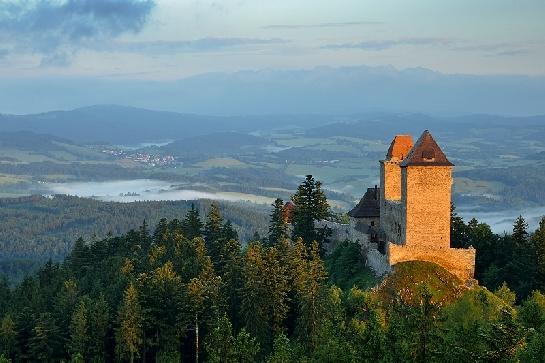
(426, 152)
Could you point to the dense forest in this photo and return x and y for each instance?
(187, 290)
(35, 229)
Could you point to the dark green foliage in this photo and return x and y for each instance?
(154, 294)
(192, 225)
(346, 267)
(278, 228)
(514, 259)
(35, 229)
(310, 206)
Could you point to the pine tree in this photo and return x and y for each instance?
(79, 257)
(246, 347)
(130, 332)
(45, 344)
(79, 330)
(220, 344)
(520, 232)
(521, 269)
(255, 295)
(213, 233)
(282, 352)
(538, 243)
(277, 283)
(8, 336)
(310, 206)
(5, 295)
(504, 338)
(203, 293)
(99, 324)
(192, 225)
(231, 273)
(310, 295)
(160, 235)
(458, 230)
(278, 228)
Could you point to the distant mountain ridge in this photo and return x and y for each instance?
(113, 124)
(321, 90)
(129, 125)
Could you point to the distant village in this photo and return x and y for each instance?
(152, 160)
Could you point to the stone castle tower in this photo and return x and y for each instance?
(415, 200)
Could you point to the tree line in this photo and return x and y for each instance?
(187, 290)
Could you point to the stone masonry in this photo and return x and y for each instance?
(415, 206)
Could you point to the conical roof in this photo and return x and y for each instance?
(400, 147)
(426, 152)
(368, 206)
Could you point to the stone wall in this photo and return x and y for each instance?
(459, 262)
(426, 196)
(391, 221)
(342, 232)
(377, 262)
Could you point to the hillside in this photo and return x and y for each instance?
(34, 229)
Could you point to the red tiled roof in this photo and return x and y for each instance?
(400, 147)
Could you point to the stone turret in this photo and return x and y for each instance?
(426, 184)
(416, 225)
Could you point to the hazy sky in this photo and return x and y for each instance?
(171, 39)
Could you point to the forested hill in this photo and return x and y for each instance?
(34, 229)
(190, 292)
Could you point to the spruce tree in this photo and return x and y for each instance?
(278, 228)
(538, 244)
(45, 345)
(310, 206)
(277, 283)
(192, 225)
(79, 330)
(520, 232)
(220, 343)
(246, 347)
(130, 334)
(231, 273)
(99, 324)
(213, 233)
(255, 295)
(228, 232)
(8, 336)
(310, 295)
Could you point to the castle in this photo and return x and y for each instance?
(408, 217)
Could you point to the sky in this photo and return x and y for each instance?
(174, 39)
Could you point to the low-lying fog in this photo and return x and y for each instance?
(502, 221)
(147, 189)
(144, 190)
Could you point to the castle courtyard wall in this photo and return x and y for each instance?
(391, 221)
(460, 262)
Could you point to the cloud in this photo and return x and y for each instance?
(390, 43)
(321, 25)
(495, 49)
(197, 45)
(509, 52)
(44, 26)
